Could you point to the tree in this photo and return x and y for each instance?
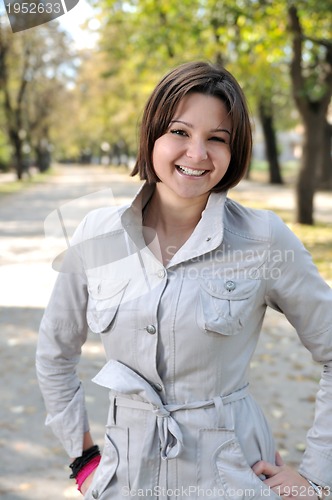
(325, 169)
(266, 116)
(13, 107)
(29, 61)
(39, 110)
(312, 89)
(231, 33)
(102, 109)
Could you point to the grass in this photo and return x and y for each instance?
(11, 187)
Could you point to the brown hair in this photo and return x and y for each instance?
(204, 78)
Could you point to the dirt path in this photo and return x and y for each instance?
(33, 464)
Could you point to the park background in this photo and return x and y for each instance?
(69, 115)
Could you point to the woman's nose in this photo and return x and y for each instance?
(197, 150)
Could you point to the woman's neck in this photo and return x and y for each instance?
(172, 219)
(168, 213)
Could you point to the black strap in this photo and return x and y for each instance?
(80, 462)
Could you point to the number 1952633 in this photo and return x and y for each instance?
(33, 8)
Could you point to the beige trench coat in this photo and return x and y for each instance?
(178, 340)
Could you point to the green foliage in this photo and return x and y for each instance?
(34, 72)
(142, 39)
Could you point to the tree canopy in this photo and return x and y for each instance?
(283, 69)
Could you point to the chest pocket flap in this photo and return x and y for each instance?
(223, 306)
(105, 297)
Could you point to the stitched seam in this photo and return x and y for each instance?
(246, 236)
(173, 337)
(320, 332)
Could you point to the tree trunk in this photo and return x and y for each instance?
(307, 179)
(313, 112)
(19, 163)
(270, 139)
(325, 180)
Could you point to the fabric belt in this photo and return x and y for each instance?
(170, 434)
(120, 378)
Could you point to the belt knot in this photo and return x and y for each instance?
(170, 435)
(161, 411)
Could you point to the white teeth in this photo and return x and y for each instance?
(189, 171)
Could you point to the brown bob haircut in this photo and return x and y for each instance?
(204, 78)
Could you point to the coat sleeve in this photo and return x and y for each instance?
(62, 333)
(295, 288)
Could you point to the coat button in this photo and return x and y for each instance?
(230, 286)
(161, 273)
(151, 329)
(95, 493)
(158, 387)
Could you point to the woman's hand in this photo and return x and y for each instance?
(86, 484)
(284, 480)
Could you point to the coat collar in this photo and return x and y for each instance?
(207, 235)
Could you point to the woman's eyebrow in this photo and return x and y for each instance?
(183, 123)
(191, 126)
(221, 130)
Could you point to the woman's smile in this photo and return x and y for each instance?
(191, 172)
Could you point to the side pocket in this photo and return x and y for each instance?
(120, 437)
(235, 474)
(222, 468)
(104, 472)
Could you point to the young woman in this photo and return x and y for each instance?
(177, 284)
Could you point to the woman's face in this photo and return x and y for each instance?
(194, 153)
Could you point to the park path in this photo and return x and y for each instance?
(33, 465)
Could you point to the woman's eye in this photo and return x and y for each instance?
(217, 139)
(179, 132)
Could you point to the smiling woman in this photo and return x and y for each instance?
(163, 105)
(189, 160)
(177, 284)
